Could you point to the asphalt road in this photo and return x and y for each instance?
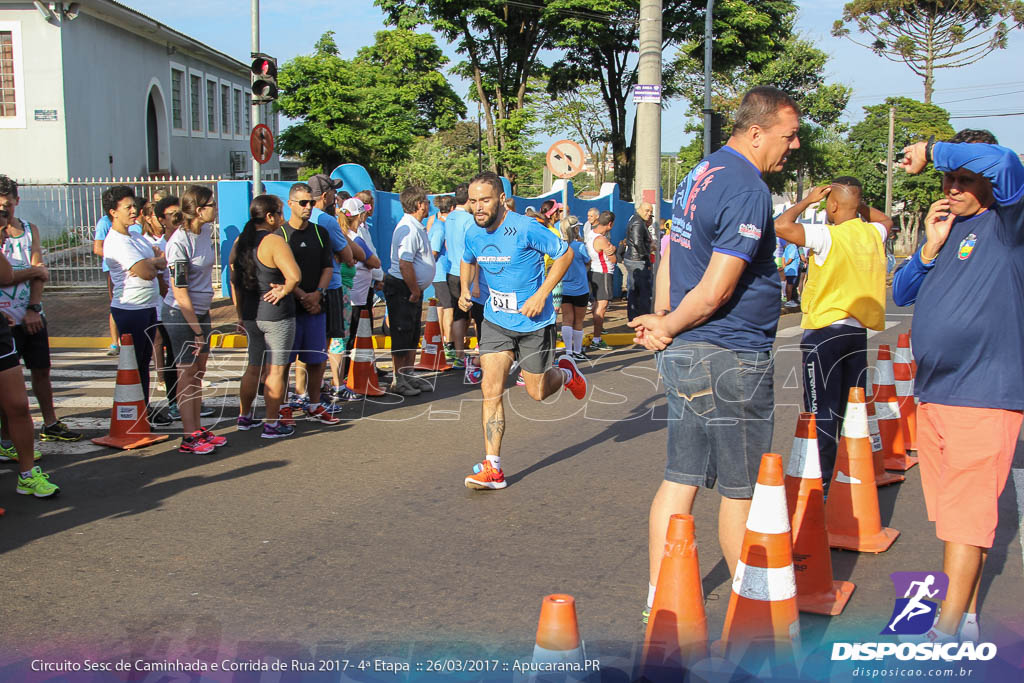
(361, 538)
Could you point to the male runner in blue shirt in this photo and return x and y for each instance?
(519, 316)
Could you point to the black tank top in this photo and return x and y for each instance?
(266, 276)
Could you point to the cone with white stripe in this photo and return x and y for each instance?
(851, 512)
(129, 422)
(816, 592)
(763, 606)
(883, 477)
(887, 408)
(904, 376)
(558, 645)
(432, 355)
(677, 629)
(362, 375)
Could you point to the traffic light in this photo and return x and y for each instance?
(264, 78)
(716, 131)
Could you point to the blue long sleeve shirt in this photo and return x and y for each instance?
(972, 294)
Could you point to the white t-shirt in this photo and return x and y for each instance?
(161, 244)
(363, 277)
(411, 244)
(194, 252)
(818, 239)
(120, 253)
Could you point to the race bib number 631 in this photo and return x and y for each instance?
(504, 302)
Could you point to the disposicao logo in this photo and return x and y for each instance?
(967, 246)
(917, 601)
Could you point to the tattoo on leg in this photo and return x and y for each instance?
(495, 427)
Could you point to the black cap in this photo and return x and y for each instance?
(321, 182)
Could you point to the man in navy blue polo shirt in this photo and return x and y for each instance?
(716, 314)
(968, 283)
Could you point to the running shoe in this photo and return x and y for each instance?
(474, 375)
(421, 383)
(449, 352)
(520, 382)
(344, 394)
(285, 416)
(113, 350)
(403, 389)
(173, 412)
(459, 363)
(9, 454)
(645, 615)
(320, 414)
(211, 438)
(158, 419)
(577, 384)
(37, 484)
(578, 356)
(246, 422)
(331, 408)
(298, 401)
(598, 345)
(278, 431)
(485, 476)
(58, 432)
(206, 411)
(195, 445)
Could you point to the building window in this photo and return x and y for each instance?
(225, 109)
(238, 111)
(211, 106)
(195, 88)
(178, 98)
(247, 110)
(8, 95)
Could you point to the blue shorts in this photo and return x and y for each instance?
(720, 411)
(310, 345)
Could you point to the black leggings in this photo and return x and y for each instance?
(170, 370)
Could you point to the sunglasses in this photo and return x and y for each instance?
(172, 216)
(302, 202)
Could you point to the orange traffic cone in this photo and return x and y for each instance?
(362, 375)
(129, 423)
(851, 512)
(904, 376)
(763, 607)
(887, 409)
(432, 355)
(558, 636)
(883, 477)
(677, 630)
(812, 560)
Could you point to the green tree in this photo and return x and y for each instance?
(931, 34)
(368, 110)
(501, 42)
(600, 39)
(869, 139)
(434, 165)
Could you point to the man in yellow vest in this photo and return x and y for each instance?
(843, 298)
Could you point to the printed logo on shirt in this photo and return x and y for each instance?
(967, 246)
(751, 231)
(493, 263)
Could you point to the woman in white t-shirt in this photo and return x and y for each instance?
(352, 219)
(134, 267)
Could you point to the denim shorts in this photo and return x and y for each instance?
(720, 412)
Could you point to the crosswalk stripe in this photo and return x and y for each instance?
(888, 325)
(109, 384)
(97, 402)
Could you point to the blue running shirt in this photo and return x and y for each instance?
(455, 227)
(575, 281)
(512, 260)
(723, 205)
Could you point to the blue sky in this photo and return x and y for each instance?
(290, 27)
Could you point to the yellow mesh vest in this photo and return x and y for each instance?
(851, 284)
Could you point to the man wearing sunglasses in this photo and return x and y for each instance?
(311, 246)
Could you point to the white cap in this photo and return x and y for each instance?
(353, 206)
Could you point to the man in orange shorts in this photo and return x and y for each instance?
(968, 284)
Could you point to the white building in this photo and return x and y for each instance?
(97, 89)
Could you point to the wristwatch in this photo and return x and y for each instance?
(38, 308)
(928, 147)
(323, 292)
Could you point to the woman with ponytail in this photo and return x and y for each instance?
(263, 275)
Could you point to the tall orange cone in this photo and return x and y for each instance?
(677, 630)
(763, 607)
(851, 512)
(558, 635)
(129, 423)
(883, 477)
(887, 409)
(904, 376)
(432, 356)
(812, 560)
(362, 375)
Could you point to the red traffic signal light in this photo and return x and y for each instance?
(263, 73)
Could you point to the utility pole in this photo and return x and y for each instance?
(257, 182)
(648, 117)
(889, 161)
(708, 111)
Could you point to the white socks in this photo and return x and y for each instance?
(650, 596)
(577, 341)
(567, 337)
(495, 460)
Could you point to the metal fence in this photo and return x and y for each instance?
(66, 215)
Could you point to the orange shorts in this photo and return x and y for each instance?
(965, 457)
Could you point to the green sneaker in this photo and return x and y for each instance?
(37, 485)
(645, 615)
(599, 345)
(9, 454)
(58, 432)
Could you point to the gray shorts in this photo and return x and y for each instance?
(534, 350)
(270, 342)
(720, 411)
(182, 340)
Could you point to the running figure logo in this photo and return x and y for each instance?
(914, 613)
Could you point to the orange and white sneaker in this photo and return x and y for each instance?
(486, 476)
(577, 384)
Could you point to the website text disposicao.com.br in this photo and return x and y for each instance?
(911, 672)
